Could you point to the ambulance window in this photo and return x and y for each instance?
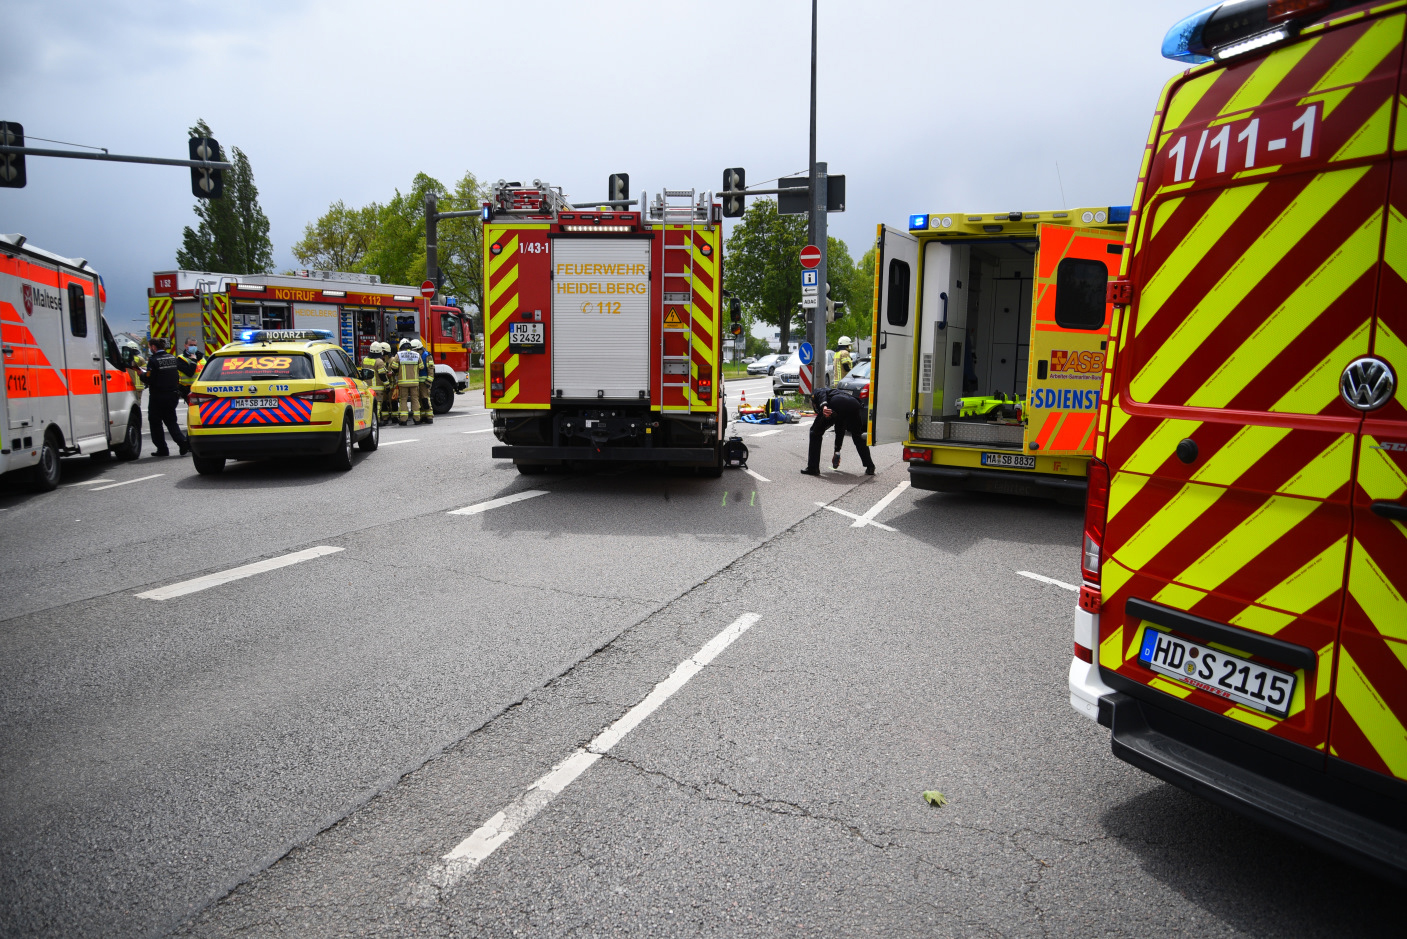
(332, 364)
(896, 311)
(1080, 288)
(77, 310)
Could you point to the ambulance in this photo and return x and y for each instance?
(1242, 623)
(989, 338)
(358, 309)
(66, 390)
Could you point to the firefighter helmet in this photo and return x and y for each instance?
(416, 344)
(844, 341)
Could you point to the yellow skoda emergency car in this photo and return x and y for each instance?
(280, 392)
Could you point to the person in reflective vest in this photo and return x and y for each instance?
(408, 383)
(427, 379)
(388, 392)
(374, 371)
(188, 366)
(843, 361)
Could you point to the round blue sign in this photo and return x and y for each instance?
(806, 352)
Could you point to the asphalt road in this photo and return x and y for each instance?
(294, 753)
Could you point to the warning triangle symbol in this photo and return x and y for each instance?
(672, 320)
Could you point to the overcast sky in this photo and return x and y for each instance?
(934, 105)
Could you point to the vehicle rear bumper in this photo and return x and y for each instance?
(1299, 801)
(530, 454)
(1007, 482)
(259, 446)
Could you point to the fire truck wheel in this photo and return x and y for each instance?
(530, 469)
(46, 471)
(341, 458)
(131, 446)
(209, 465)
(442, 395)
(373, 439)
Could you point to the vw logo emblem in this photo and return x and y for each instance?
(1367, 384)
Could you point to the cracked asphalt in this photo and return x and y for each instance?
(291, 754)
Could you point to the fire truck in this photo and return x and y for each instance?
(66, 390)
(356, 308)
(603, 329)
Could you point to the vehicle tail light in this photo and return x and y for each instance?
(326, 396)
(1096, 516)
(496, 378)
(917, 455)
(1083, 654)
(1090, 600)
(196, 397)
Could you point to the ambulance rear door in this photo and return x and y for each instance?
(83, 368)
(896, 309)
(1069, 337)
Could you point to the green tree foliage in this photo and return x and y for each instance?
(859, 296)
(762, 267)
(339, 240)
(233, 234)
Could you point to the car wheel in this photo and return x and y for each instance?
(373, 438)
(209, 465)
(46, 471)
(341, 459)
(131, 446)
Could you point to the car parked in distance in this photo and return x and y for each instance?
(786, 377)
(766, 364)
(857, 382)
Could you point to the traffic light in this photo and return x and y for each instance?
(618, 187)
(734, 182)
(206, 183)
(833, 307)
(736, 329)
(11, 164)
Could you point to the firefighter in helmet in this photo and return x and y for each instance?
(843, 361)
(408, 383)
(427, 380)
(388, 391)
(188, 366)
(374, 372)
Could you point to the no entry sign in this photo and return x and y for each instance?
(810, 256)
(427, 289)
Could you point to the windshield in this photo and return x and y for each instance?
(240, 367)
(860, 371)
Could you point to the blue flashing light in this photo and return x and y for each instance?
(1119, 214)
(245, 335)
(451, 301)
(918, 223)
(487, 211)
(1183, 43)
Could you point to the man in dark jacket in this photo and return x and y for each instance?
(163, 377)
(844, 412)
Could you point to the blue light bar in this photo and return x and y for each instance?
(1119, 214)
(1183, 43)
(245, 335)
(918, 223)
(286, 335)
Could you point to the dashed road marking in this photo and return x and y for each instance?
(483, 431)
(236, 573)
(860, 520)
(880, 506)
(495, 503)
(755, 475)
(96, 480)
(127, 482)
(1049, 580)
(766, 433)
(474, 850)
(392, 443)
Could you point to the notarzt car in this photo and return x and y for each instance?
(287, 392)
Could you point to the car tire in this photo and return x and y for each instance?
(209, 465)
(46, 473)
(372, 440)
(341, 458)
(131, 446)
(441, 395)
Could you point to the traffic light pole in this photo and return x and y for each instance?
(817, 231)
(432, 236)
(117, 158)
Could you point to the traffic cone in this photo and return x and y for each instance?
(743, 405)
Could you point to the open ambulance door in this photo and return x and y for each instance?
(1069, 337)
(892, 348)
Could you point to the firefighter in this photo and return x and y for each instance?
(427, 380)
(844, 412)
(388, 392)
(843, 362)
(408, 383)
(373, 364)
(162, 375)
(187, 366)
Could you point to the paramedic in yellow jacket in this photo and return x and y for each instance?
(408, 383)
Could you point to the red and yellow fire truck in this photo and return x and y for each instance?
(356, 308)
(603, 329)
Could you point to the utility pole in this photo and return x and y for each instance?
(432, 238)
(820, 378)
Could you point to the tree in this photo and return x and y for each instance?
(859, 295)
(340, 239)
(763, 267)
(233, 234)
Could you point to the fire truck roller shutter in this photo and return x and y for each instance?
(601, 318)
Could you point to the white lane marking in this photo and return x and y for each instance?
(755, 475)
(236, 573)
(766, 433)
(880, 506)
(392, 443)
(859, 519)
(474, 850)
(484, 431)
(91, 482)
(126, 482)
(1049, 580)
(495, 503)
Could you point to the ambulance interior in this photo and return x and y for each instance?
(973, 339)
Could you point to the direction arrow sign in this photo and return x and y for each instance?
(810, 256)
(806, 353)
(808, 290)
(427, 289)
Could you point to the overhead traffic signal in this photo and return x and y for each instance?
(618, 187)
(734, 182)
(12, 164)
(206, 183)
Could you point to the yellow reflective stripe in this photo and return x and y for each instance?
(1309, 585)
(1111, 650)
(1320, 385)
(1181, 511)
(1122, 488)
(1159, 445)
(512, 393)
(1262, 620)
(1399, 136)
(1254, 718)
(1377, 594)
(1179, 597)
(1324, 674)
(1204, 236)
(1388, 345)
(1239, 454)
(498, 348)
(1371, 138)
(511, 365)
(1395, 251)
(1324, 475)
(1171, 687)
(1113, 576)
(1378, 473)
(498, 260)
(1165, 212)
(1295, 223)
(510, 307)
(1267, 76)
(1187, 97)
(500, 288)
(1244, 543)
(1377, 42)
(1372, 714)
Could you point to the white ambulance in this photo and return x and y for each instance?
(64, 386)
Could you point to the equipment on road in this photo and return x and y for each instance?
(735, 453)
(604, 329)
(66, 384)
(1241, 625)
(1007, 306)
(356, 309)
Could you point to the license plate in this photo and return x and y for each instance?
(254, 403)
(527, 334)
(1009, 460)
(1219, 673)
